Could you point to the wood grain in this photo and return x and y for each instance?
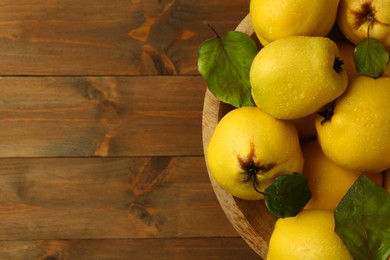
(101, 151)
(100, 116)
(129, 249)
(89, 37)
(131, 197)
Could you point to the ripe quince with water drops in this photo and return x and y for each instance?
(249, 149)
(354, 131)
(309, 235)
(295, 76)
(278, 19)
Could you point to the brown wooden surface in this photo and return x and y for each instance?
(127, 197)
(231, 248)
(100, 116)
(101, 151)
(105, 37)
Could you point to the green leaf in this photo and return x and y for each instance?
(287, 195)
(224, 62)
(363, 220)
(371, 58)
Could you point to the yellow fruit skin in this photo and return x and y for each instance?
(309, 235)
(357, 136)
(249, 134)
(273, 20)
(328, 182)
(293, 77)
(355, 29)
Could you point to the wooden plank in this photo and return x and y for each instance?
(129, 197)
(99, 37)
(230, 248)
(100, 116)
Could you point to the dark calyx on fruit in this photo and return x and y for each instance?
(367, 13)
(327, 112)
(252, 167)
(338, 64)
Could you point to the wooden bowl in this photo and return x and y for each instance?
(251, 219)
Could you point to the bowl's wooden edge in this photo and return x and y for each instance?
(245, 26)
(237, 218)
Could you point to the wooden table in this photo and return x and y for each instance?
(100, 131)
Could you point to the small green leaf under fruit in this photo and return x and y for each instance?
(371, 58)
(363, 220)
(224, 62)
(287, 195)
